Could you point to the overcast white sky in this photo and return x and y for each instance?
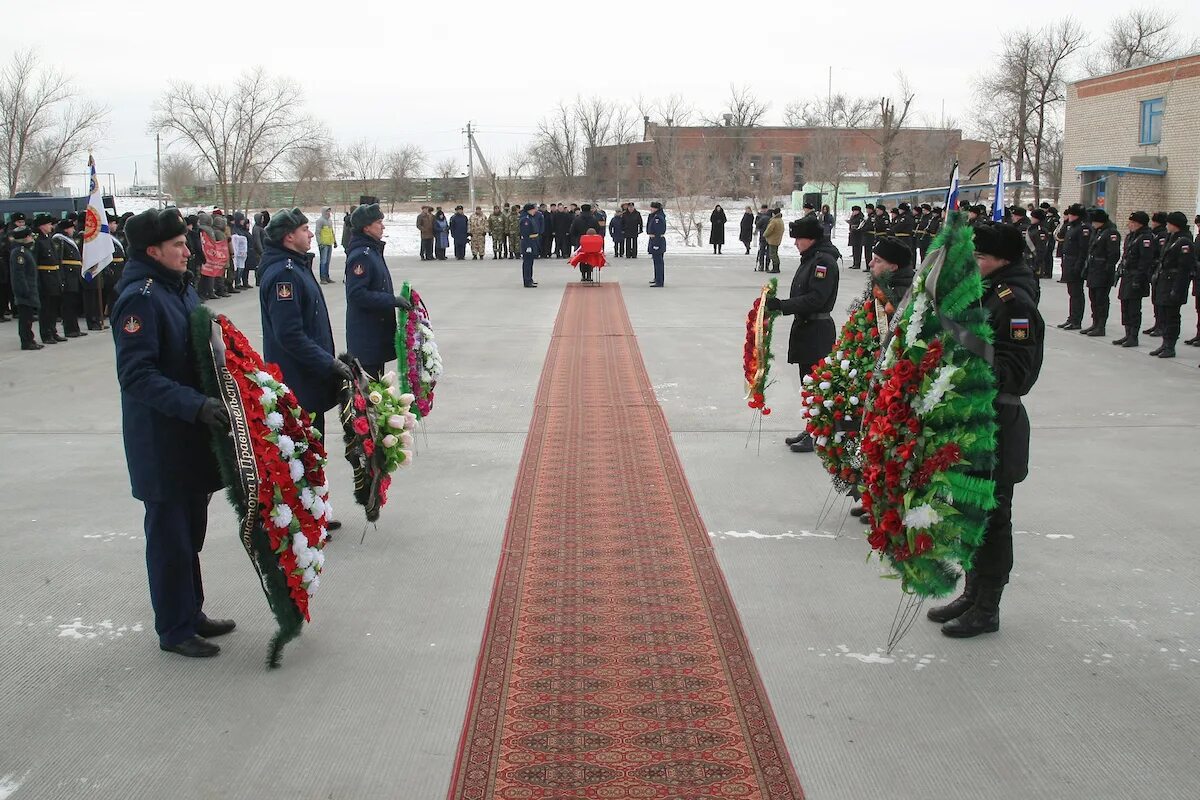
(402, 72)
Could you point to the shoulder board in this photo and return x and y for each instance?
(145, 290)
(1004, 293)
(289, 264)
(362, 251)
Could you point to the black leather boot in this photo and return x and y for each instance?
(1168, 349)
(1097, 330)
(791, 440)
(959, 605)
(1157, 350)
(982, 617)
(1123, 339)
(805, 445)
(1131, 339)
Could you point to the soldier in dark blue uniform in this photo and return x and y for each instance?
(460, 232)
(71, 262)
(22, 269)
(1138, 259)
(656, 242)
(50, 282)
(371, 302)
(810, 301)
(1177, 265)
(295, 321)
(1018, 335)
(1100, 268)
(530, 231)
(165, 422)
(1076, 238)
(1158, 226)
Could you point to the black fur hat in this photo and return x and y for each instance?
(284, 222)
(893, 251)
(153, 226)
(365, 215)
(806, 228)
(1000, 240)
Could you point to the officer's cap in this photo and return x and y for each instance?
(1178, 219)
(1017, 211)
(65, 224)
(364, 215)
(284, 222)
(528, 207)
(856, 208)
(1039, 214)
(1098, 215)
(1140, 217)
(153, 226)
(893, 251)
(656, 204)
(17, 217)
(42, 219)
(21, 233)
(1076, 210)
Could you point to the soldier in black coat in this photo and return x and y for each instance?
(868, 230)
(1018, 334)
(50, 282)
(1038, 241)
(1158, 226)
(1176, 268)
(71, 262)
(22, 272)
(1076, 238)
(166, 418)
(1139, 257)
(812, 297)
(856, 222)
(1100, 269)
(633, 226)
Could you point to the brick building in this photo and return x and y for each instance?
(1131, 140)
(773, 161)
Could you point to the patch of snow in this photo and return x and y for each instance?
(9, 785)
(785, 535)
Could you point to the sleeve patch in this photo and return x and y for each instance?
(1018, 329)
(1145, 243)
(1113, 236)
(820, 272)
(359, 269)
(1187, 248)
(132, 325)
(283, 291)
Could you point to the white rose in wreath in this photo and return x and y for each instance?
(396, 421)
(375, 397)
(389, 441)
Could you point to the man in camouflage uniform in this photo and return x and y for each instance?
(512, 228)
(495, 229)
(477, 227)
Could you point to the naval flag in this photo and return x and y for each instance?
(97, 241)
(998, 200)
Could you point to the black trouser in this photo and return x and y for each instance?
(747, 243)
(545, 244)
(92, 304)
(6, 299)
(72, 307)
(439, 252)
(1075, 302)
(25, 324)
(631, 246)
(460, 249)
(48, 316)
(527, 264)
(1131, 314)
(857, 250)
(174, 538)
(1171, 323)
(1098, 296)
(585, 272)
(618, 245)
(562, 246)
(426, 249)
(994, 559)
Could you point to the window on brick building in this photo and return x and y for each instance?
(643, 188)
(643, 159)
(1151, 127)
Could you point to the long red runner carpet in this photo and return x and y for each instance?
(613, 662)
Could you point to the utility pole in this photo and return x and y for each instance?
(470, 168)
(158, 170)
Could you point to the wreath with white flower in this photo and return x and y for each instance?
(273, 462)
(929, 430)
(420, 362)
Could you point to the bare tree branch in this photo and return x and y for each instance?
(1141, 36)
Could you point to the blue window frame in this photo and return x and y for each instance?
(1151, 127)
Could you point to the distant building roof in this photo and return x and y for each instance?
(1120, 169)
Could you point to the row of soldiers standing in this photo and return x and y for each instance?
(913, 226)
(44, 278)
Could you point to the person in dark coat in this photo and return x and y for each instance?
(582, 222)
(868, 230)
(633, 228)
(827, 223)
(1100, 269)
(23, 280)
(616, 229)
(1158, 226)
(166, 420)
(371, 302)
(562, 232)
(716, 232)
(857, 222)
(531, 234)
(114, 272)
(746, 228)
(71, 262)
(812, 297)
(295, 322)
(1139, 257)
(50, 281)
(460, 232)
(441, 234)
(1076, 237)
(1177, 266)
(1018, 336)
(656, 242)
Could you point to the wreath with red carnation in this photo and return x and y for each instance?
(756, 354)
(420, 362)
(274, 465)
(929, 430)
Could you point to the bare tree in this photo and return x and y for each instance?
(1054, 48)
(242, 131)
(558, 145)
(178, 173)
(742, 111)
(889, 122)
(1005, 103)
(1141, 36)
(363, 161)
(42, 124)
(401, 166)
(447, 168)
(832, 111)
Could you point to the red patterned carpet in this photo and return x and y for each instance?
(613, 662)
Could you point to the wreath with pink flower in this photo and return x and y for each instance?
(929, 430)
(273, 462)
(756, 352)
(420, 362)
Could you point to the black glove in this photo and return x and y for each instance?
(774, 304)
(403, 302)
(214, 415)
(342, 371)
